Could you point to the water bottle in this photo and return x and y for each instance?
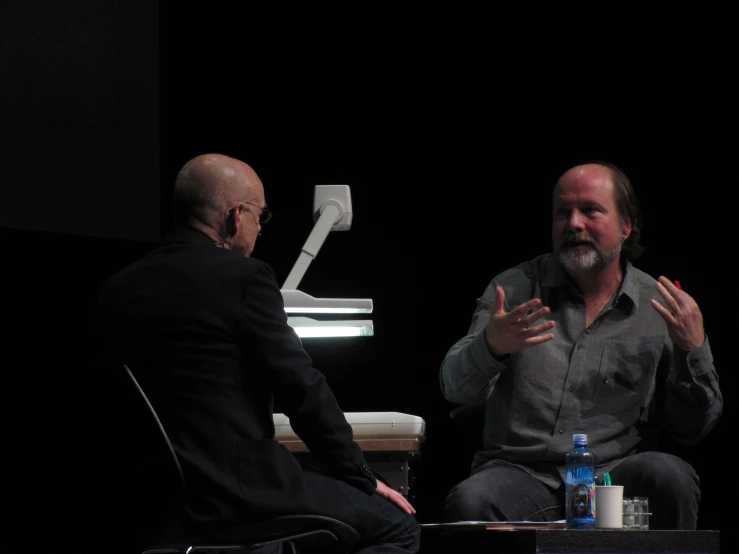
(580, 485)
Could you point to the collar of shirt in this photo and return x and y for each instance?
(555, 276)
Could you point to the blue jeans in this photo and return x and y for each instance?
(382, 526)
(500, 491)
(670, 484)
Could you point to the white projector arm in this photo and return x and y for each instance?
(332, 211)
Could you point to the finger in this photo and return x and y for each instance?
(531, 341)
(405, 505)
(538, 314)
(673, 290)
(539, 329)
(523, 322)
(400, 501)
(499, 300)
(669, 298)
(668, 284)
(522, 310)
(664, 312)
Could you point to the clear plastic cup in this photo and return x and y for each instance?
(629, 522)
(641, 512)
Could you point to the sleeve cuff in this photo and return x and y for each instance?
(483, 356)
(700, 360)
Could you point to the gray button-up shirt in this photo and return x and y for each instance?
(620, 380)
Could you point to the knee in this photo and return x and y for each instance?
(667, 473)
(407, 533)
(464, 503)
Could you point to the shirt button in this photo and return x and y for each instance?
(571, 388)
(580, 347)
(605, 380)
(561, 431)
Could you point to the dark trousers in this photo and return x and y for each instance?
(670, 484)
(383, 527)
(499, 491)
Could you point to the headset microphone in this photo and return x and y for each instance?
(620, 244)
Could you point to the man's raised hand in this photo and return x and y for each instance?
(509, 332)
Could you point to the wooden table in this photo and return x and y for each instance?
(478, 539)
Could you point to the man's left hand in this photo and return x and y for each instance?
(684, 319)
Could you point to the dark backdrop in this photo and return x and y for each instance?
(450, 159)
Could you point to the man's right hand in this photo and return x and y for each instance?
(509, 332)
(395, 497)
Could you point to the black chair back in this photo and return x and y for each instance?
(147, 476)
(470, 421)
(155, 493)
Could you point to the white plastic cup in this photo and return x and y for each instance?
(609, 507)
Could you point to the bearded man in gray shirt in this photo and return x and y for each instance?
(580, 341)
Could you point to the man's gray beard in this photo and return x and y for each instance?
(593, 258)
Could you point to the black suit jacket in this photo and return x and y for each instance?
(205, 333)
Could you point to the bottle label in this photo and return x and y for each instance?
(580, 475)
(580, 498)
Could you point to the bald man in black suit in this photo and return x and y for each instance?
(203, 327)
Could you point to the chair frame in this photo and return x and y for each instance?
(290, 538)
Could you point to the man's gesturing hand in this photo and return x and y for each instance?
(683, 317)
(509, 332)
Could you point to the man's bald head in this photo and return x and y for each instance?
(208, 185)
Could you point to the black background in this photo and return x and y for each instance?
(451, 142)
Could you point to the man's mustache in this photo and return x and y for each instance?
(572, 241)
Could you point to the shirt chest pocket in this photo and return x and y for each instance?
(625, 374)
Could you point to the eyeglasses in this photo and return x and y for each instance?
(264, 216)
